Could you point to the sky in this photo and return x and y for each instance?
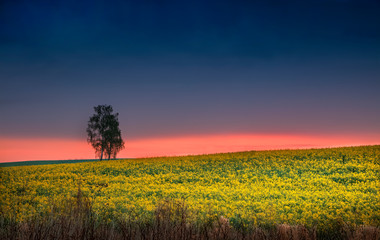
(188, 77)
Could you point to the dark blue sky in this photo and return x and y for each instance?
(195, 67)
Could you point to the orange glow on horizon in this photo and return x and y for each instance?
(23, 149)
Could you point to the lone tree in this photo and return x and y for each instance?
(103, 132)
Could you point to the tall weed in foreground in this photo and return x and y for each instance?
(75, 219)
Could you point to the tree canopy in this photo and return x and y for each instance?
(103, 132)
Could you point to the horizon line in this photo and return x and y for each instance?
(186, 155)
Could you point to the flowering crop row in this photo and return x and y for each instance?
(308, 187)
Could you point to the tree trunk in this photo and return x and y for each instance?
(101, 155)
(110, 152)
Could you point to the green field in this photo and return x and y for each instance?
(44, 162)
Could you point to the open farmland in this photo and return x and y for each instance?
(315, 188)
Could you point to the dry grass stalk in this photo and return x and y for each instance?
(171, 221)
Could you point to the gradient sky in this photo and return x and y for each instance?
(189, 70)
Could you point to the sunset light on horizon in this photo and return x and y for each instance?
(28, 149)
(188, 77)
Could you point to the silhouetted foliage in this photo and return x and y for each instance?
(103, 132)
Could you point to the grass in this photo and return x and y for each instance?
(77, 220)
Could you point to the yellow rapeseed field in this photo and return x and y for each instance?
(316, 187)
